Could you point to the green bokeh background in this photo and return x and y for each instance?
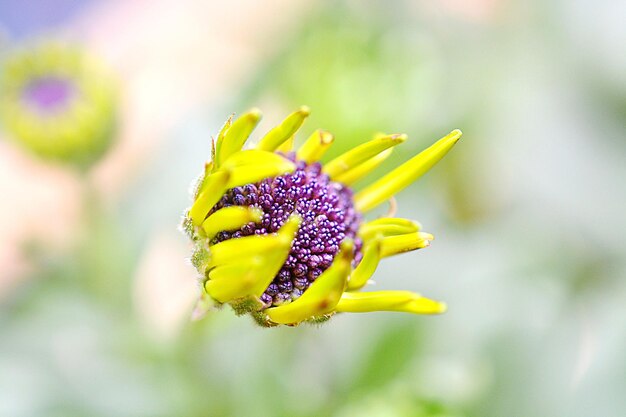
(527, 210)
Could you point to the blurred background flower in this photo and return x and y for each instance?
(57, 102)
(529, 255)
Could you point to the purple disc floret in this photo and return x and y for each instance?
(328, 217)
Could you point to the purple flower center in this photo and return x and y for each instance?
(49, 94)
(328, 217)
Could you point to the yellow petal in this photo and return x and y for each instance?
(236, 135)
(232, 281)
(393, 245)
(240, 249)
(360, 171)
(315, 146)
(212, 191)
(403, 301)
(252, 157)
(225, 127)
(366, 268)
(243, 248)
(248, 278)
(220, 139)
(251, 269)
(281, 133)
(252, 166)
(241, 168)
(208, 168)
(361, 154)
(322, 296)
(405, 174)
(230, 218)
(388, 226)
(286, 146)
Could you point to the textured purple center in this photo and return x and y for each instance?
(49, 94)
(328, 216)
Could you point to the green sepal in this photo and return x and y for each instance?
(187, 226)
(200, 258)
(262, 320)
(246, 305)
(319, 320)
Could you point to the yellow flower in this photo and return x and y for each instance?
(57, 102)
(282, 237)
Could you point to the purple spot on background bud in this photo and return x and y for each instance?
(328, 217)
(49, 94)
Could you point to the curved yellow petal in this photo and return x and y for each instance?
(361, 154)
(284, 131)
(232, 281)
(366, 268)
(322, 296)
(208, 168)
(405, 174)
(393, 245)
(249, 277)
(213, 189)
(388, 226)
(253, 165)
(286, 146)
(243, 248)
(315, 146)
(240, 168)
(220, 139)
(402, 301)
(230, 218)
(246, 266)
(360, 171)
(236, 135)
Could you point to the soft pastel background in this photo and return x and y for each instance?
(528, 211)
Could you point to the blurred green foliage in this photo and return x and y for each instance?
(527, 212)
